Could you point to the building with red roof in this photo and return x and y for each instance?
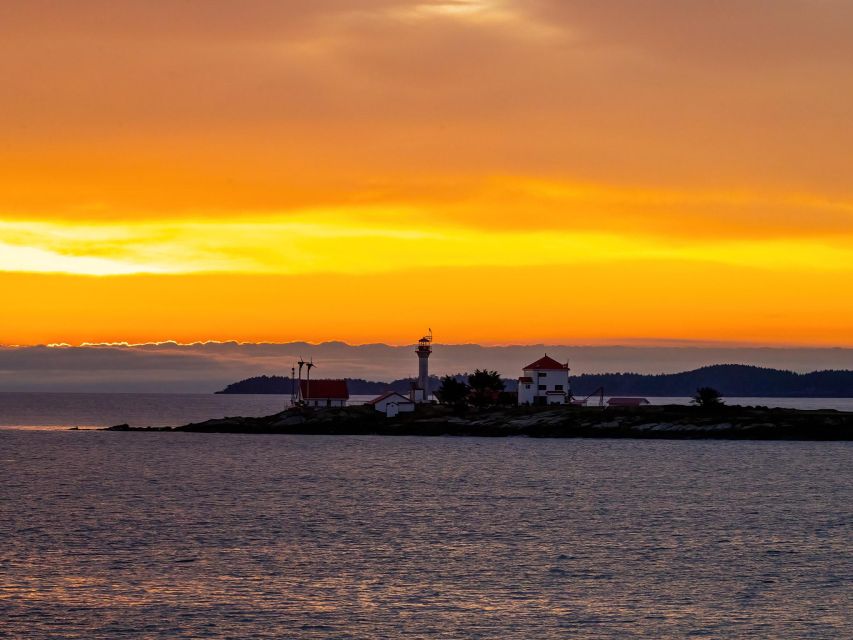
(546, 363)
(391, 403)
(324, 393)
(627, 402)
(544, 381)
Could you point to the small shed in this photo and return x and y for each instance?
(627, 402)
(391, 403)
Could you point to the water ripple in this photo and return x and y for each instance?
(171, 535)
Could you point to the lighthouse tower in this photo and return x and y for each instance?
(424, 350)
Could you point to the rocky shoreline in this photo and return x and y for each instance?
(651, 422)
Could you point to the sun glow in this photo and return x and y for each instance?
(461, 8)
(341, 242)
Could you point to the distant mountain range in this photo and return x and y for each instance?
(729, 379)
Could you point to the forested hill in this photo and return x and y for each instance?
(729, 379)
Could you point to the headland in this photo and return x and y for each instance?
(647, 422)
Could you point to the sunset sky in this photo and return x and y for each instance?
(504, 171)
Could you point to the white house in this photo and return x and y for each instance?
(391, 403)
(545, 381)
(324, 393)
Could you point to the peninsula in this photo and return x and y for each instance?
(660, 422)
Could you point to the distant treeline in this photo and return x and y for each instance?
(729, 379)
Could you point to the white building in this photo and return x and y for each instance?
(545, 381)
(391, 403)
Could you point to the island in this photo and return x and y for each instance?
(650, 422)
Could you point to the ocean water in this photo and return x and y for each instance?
(63, 410)
(184, 535)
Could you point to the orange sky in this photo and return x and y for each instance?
(503, 171)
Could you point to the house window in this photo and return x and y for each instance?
(542, 387)
(527, 386)
(542, 374)
(558, 387)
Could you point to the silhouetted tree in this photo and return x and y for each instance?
(508, 398)
(486, 387)
(452, 391)
(708, 397)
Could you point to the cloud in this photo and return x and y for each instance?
(341, 144)
(729, 34)
(204, 368)
(135, 108)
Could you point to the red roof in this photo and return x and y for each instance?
(388, 394)
(525, 379)
(322, 389)
(548, 364)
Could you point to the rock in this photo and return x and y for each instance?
(610, 424)
(648, 426)
(663, 426)
(761, 425)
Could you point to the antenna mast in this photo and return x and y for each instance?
(309, 365)
(301, 364)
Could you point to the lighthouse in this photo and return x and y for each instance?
(424, 350)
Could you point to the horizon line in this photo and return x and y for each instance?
(636, 343)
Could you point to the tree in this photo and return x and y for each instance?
(486, 387)
(708, 397)
(452, 391)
